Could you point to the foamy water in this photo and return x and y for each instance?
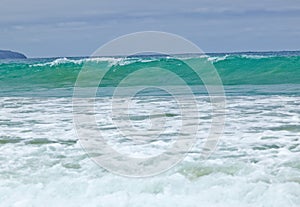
(256, 162)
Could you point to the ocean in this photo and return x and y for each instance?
(45, 160)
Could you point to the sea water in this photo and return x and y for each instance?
(256, 161)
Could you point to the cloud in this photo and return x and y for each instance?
(59, 28)
(42, 11)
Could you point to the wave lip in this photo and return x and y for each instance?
(64, 60)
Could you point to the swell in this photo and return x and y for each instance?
(239, 70)
(234, 69)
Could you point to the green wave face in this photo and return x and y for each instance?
(233, 69)
(238, 70)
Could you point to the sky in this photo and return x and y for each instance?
(64, 28)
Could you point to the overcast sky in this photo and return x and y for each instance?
(41, 28)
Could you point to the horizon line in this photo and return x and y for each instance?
(204, 53)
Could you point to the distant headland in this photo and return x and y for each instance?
(6, 54)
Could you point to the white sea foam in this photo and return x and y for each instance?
(256, 163)
(129, 60)
(257, 56)
(58, 61)
(111, 60)
(215, 59)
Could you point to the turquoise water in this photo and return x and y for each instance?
(256, 162)
(234, 69)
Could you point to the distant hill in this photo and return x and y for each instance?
(6, 54)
